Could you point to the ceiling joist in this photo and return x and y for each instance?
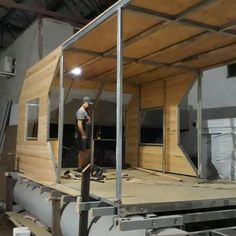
(42, 11)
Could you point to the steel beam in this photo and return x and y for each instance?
(209, 216)
(193, 9)
(119, 105)
(93, 24)
(86, 206)
(127, 224)
(104, 211)
(126, 210)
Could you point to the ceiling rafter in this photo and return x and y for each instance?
(42, 11)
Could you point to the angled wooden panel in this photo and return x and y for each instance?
(175, 160)
(33, 157)
(151, 95)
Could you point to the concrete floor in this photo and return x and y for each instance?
(6, 227)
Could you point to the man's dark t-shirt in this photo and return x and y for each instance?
(82, 115)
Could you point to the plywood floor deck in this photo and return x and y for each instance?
(145, 188)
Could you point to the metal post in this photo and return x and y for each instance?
(164, 129)
(61, 119)
(199, 126)
(92, 141)
(119, 105)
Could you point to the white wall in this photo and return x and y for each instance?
(26, 52)
(218, 90)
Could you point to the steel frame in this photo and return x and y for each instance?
(117, 9)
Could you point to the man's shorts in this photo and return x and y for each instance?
(83, 144)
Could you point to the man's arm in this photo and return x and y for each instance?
(81, 129)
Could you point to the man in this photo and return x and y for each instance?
(83, 133)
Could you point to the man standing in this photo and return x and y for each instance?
(83, 133)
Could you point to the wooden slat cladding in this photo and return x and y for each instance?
(151, 157)
(152, 95)
(176, 161)
(132, 131)
(33, 156)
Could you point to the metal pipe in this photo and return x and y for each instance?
(61, 119)
(5, 74)
(199, 125)
(119, 105)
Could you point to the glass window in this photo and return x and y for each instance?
(32, 119)
(151, 126)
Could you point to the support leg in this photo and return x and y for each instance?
(56, 216)
(9, 193)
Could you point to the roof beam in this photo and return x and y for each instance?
(42, 11)
(193, 9)
(98, 55)
(197, 56)
(156, 27)
(171, 18)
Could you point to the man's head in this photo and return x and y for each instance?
(87, 101)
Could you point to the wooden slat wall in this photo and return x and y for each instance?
(152, 96)
(33, 157)
(176, 162)
(150, 157)
(132, 131)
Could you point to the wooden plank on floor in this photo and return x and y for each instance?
(16, 217)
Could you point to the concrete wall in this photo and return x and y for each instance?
(219, 101)
(26, 51)
(218, 90)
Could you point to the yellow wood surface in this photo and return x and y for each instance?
(151, 95)
(175, 160)
(132, 131)
(33, 156)
(150, 157)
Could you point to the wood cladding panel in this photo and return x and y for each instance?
(33, 156)
(175, 160)
(55, 146)
(150, 157)
(219, 13)
(190, 48)
(132, 131)
(105, 34)
(151, 95)
(160, 39)
(166, 6)
(213, 58)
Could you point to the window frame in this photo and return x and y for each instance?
(27, 104)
